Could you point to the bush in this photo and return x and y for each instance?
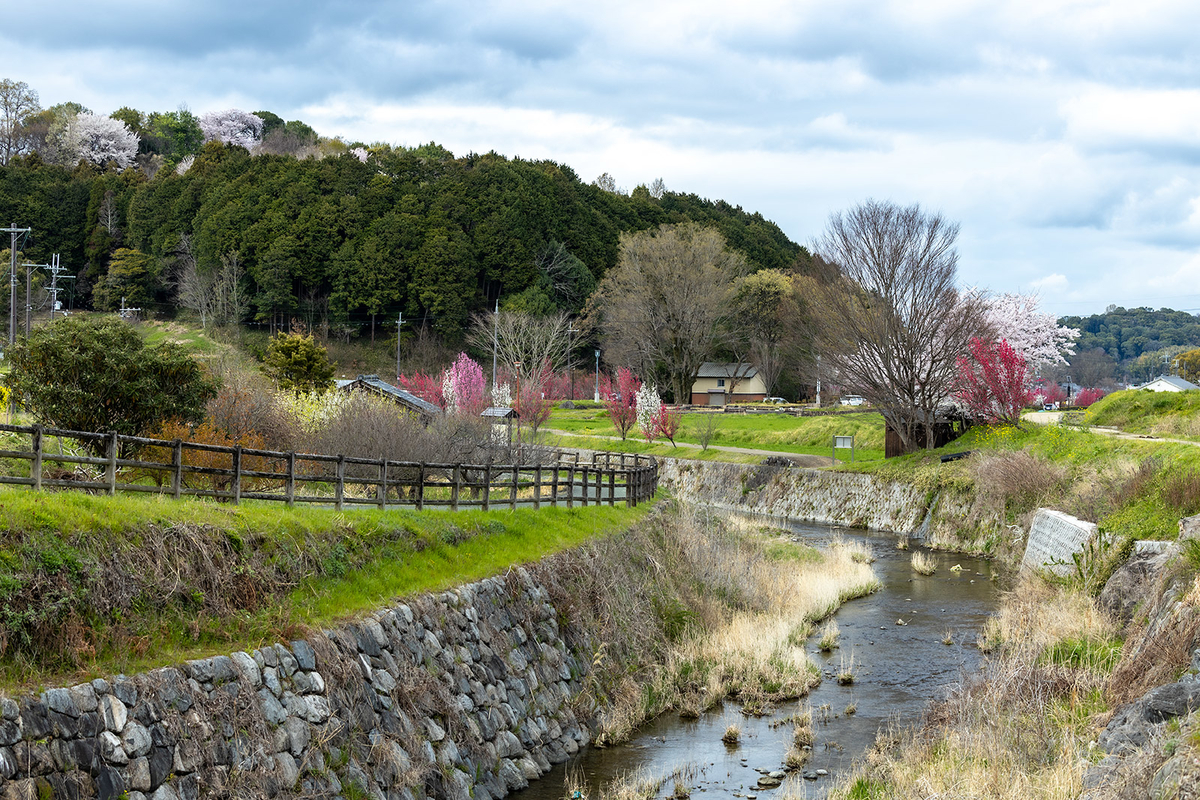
(89, 373)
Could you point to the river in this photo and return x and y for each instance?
(897, 639)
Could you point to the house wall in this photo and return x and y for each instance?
(749, 390)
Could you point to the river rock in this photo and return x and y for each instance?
(767, 782)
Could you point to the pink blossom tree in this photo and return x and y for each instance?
(1088, 396)
(533, 404)
(993, 381)
(621, 401)
(463, 386)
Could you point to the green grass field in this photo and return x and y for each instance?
(782, 433)
(1168, 414)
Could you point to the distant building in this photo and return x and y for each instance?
(1168, 383)
(717, 384)
(406, 400)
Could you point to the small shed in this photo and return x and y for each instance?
(406, 400)
(1168, 383)
(501, 420)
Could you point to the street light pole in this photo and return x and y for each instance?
(597, 398)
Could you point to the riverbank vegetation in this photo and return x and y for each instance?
(94, 585)
(693, 608)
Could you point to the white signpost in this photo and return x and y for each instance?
(844, 442)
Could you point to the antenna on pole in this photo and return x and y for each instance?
(126, 312)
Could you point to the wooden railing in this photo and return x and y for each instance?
(179, 468)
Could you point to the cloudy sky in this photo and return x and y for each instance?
(1064, 136)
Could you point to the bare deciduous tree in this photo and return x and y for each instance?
(893, 324)
(661, 308)
(527, 346)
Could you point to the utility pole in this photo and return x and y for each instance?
(495, 340)
(570, 359)
(13, 230)
(399, 322)
(28, 293)
(56, 269)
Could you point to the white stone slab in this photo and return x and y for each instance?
(1053, 538)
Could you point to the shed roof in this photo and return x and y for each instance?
(1178, 383)
(497, 412)
(373, 384)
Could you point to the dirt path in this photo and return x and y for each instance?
(1053, 417)
(798, 459)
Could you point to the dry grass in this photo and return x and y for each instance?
(829, 636)
(1008, 481)
(923, 563)
(1019, 730)
(744, 642)
(732, 735)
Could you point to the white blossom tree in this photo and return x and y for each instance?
(1036, 336)
(101, 140)
(232, 126)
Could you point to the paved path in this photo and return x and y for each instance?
(799, 458)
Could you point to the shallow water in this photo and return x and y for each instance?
(898, 668)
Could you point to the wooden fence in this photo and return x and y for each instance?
(178, 468)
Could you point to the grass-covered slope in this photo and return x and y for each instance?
(105, 585)
(1168, 414)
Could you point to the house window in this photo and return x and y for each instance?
(720, 383)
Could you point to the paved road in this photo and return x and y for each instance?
(799, 459)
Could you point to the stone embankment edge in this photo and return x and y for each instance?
(468, 693)
(808, 495)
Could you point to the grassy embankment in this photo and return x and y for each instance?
(781, 433)
(1172, 415)
(1058, 666)
(97, 585)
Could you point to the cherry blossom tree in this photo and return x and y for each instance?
(649, 404)
(621, 401)
(232, 126)
(994, 381)
(101, 140)
(426, 387)
(1036, 336)
(463, 386)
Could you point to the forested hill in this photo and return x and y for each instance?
(342, 239)
(1127, 333)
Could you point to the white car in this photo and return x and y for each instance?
(853, 400)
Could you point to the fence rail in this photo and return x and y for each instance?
(179, 468)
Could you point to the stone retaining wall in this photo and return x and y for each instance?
(809, 495)
(464, 694)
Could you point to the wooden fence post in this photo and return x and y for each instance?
(570, 486)
(339, 490)
(290, 484)
(487, 485)
(381, 496)
(612, 487)
(110, 473)
(537, 486)
(512, 496)
(35, 466)
(421, 486)
(554, 485)
(585, 485)
(177, 468)
(455, 488)
(236, 484)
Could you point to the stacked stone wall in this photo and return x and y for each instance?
(468, 693)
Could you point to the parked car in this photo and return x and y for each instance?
(853, 400)
(779, 401)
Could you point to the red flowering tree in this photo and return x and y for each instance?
(424, 386)
(666, 422)
(621, 401)
(1053, 393)
(533, 404)
(1088, 396)
(463, 387)
(993, 381)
